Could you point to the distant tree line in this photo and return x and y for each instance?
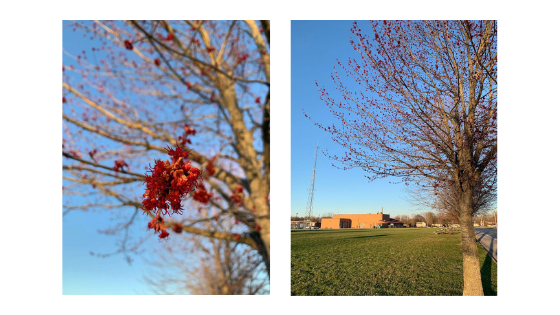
(429, 217)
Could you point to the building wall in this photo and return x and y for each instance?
(330, 223)
(356, 221)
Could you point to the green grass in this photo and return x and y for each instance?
(407, 261)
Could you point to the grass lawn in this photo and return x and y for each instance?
(408, 261)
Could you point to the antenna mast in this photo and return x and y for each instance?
(309, 210)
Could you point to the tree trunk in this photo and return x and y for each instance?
(472, 282)
(259, 193)
(265, 236)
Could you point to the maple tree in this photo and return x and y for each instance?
(423, 108)
(194, 92)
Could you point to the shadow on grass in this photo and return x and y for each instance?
(486, 275)
(368, 236)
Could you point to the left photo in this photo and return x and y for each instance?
(166, 157)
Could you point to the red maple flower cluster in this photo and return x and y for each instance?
(75, 153)
(242, 58)
(195, 41)
(92, 154)
(119, 164)
(128, 44)
(210, 170)
(201, 194)
(237, 196)
(158, 225)
(189, 130)
(169, 183)
(170, 36)
(184, 138)
(157, 62)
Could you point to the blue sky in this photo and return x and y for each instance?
(315, 47)
(87, 274)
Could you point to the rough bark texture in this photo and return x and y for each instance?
(472, 283)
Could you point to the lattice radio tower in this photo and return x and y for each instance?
(309, 209)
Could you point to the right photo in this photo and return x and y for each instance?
(394, 158)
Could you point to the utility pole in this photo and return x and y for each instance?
(309, 209)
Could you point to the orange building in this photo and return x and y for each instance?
(359, 221)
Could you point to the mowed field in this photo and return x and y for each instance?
(406, 261)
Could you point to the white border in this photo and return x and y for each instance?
(31, 137)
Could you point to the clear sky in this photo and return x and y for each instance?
(315, 47)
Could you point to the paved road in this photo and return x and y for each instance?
(488, 238)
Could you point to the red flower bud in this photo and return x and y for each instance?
(177, 228)
(163, 234)
(128, 44)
